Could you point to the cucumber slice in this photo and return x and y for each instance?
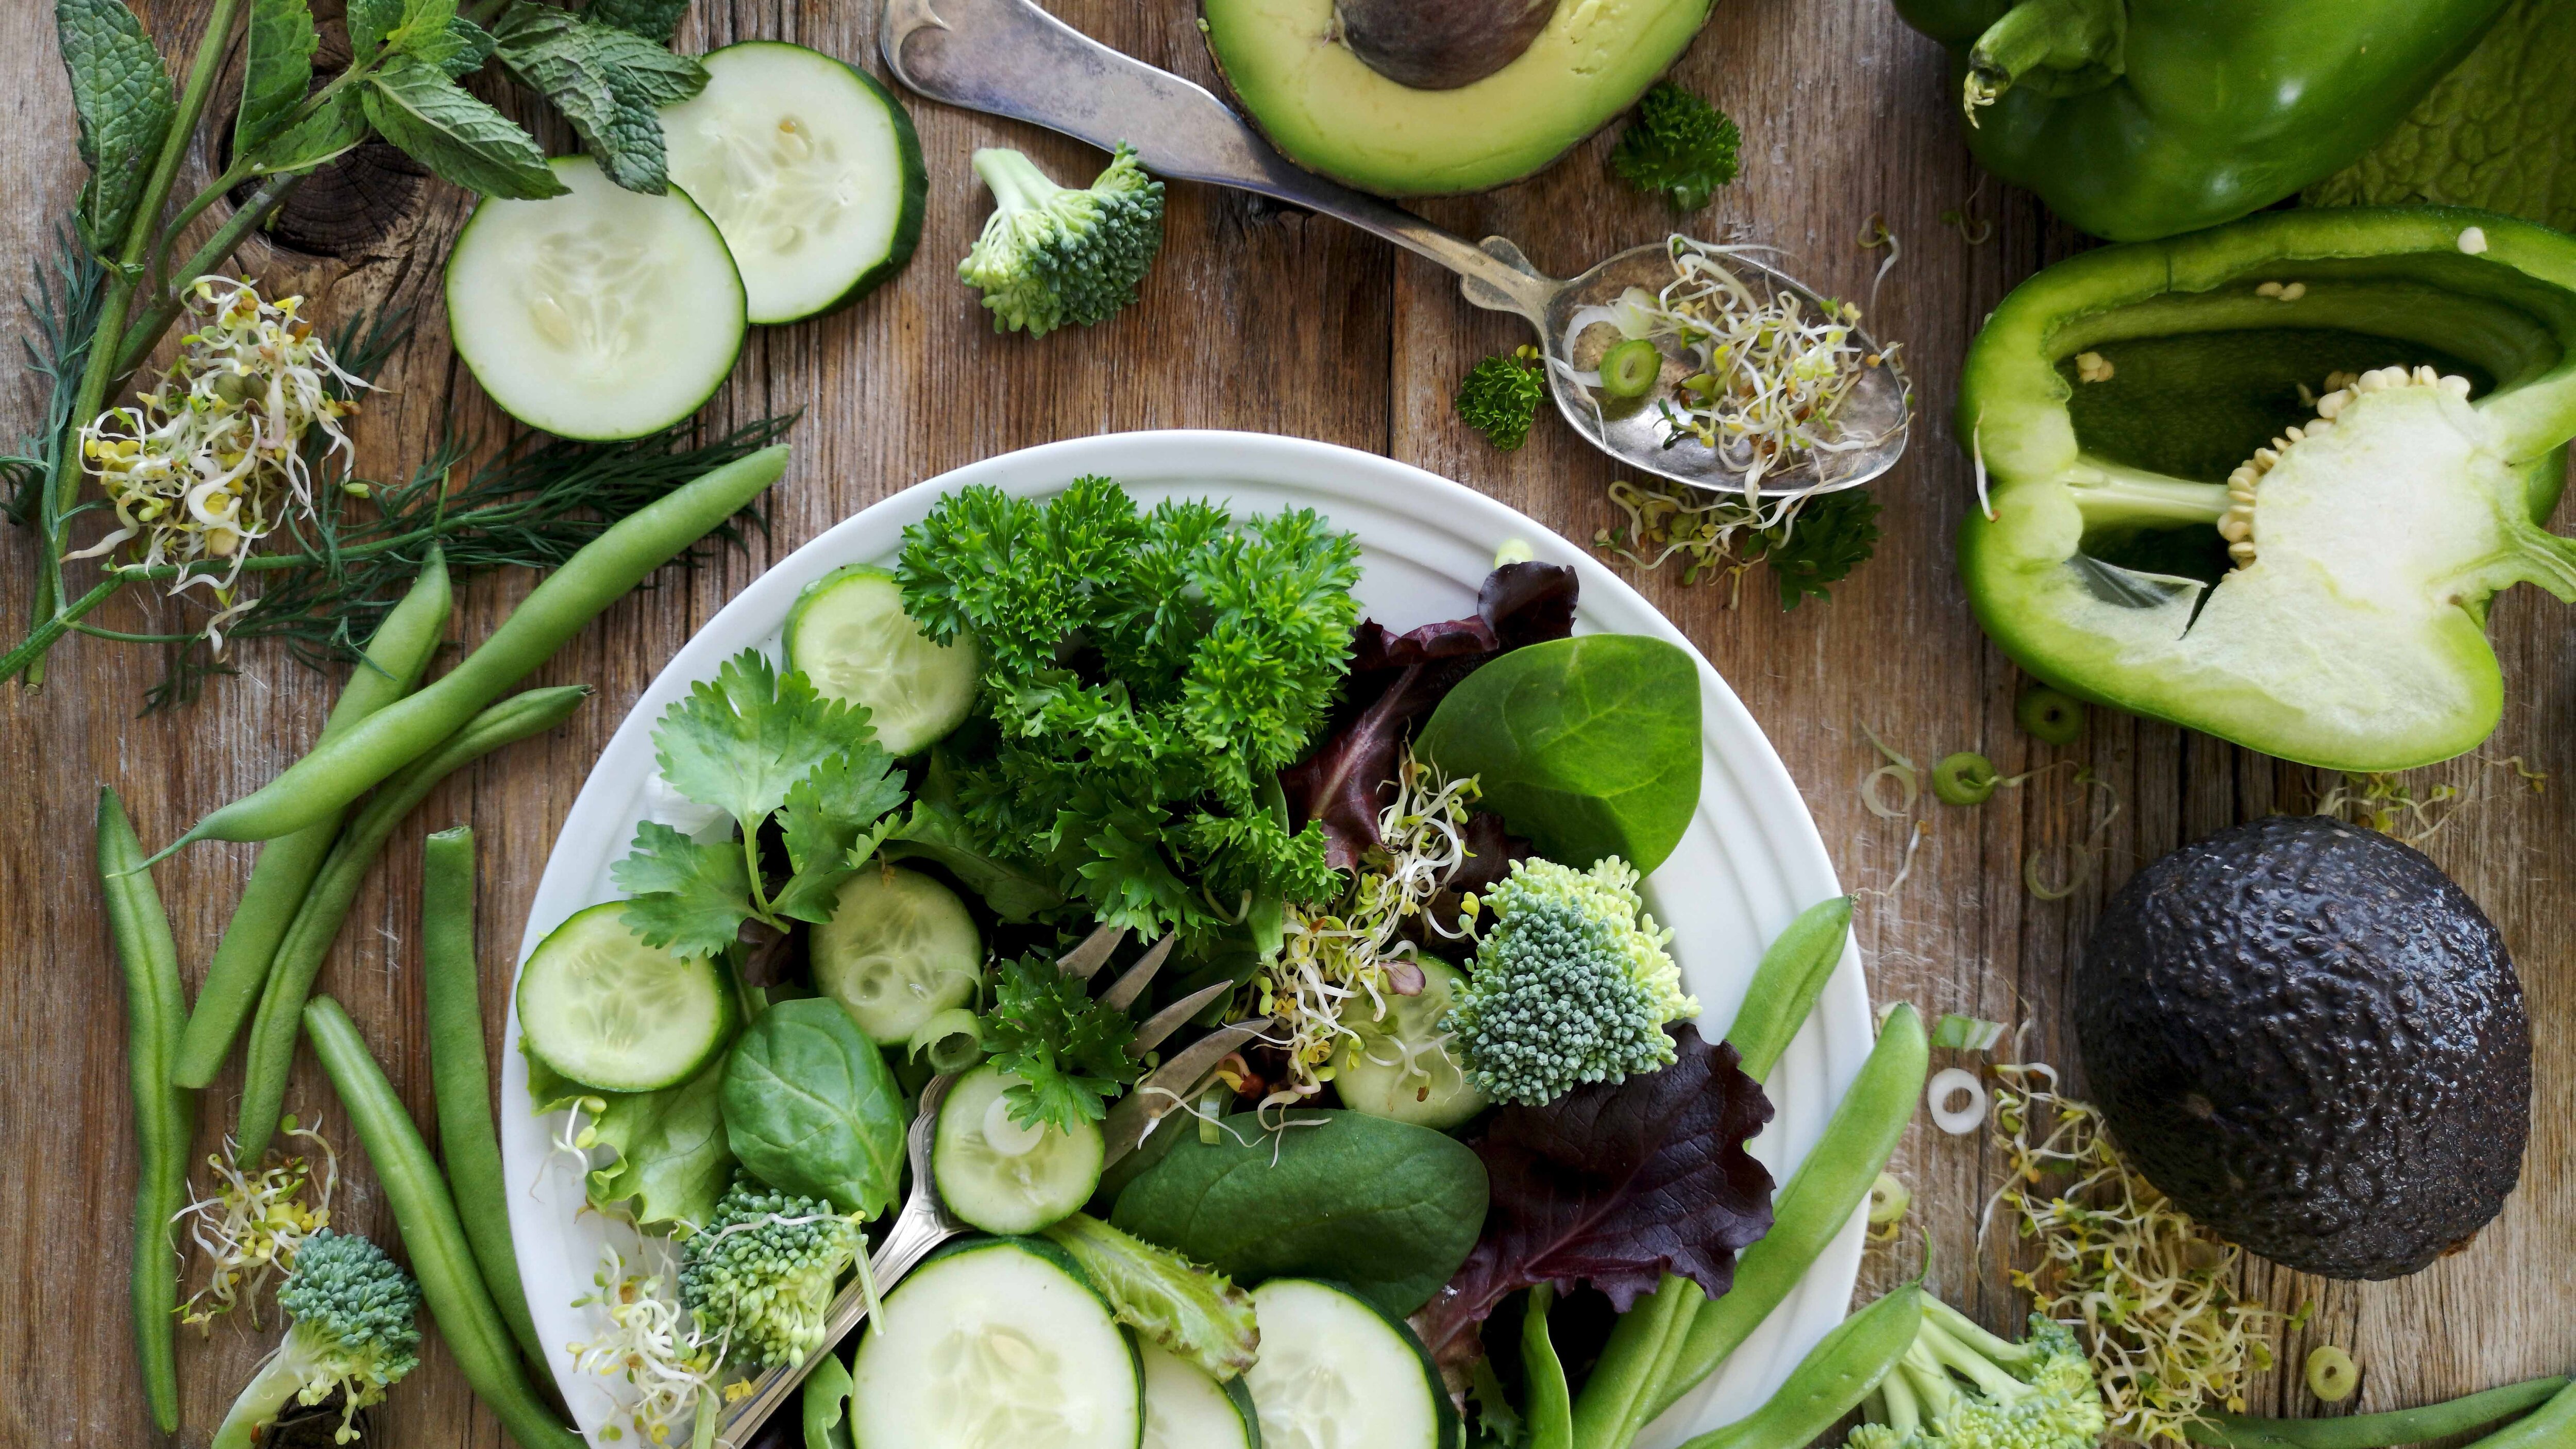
(1400, 1067)
(1334, 1370)
(1186, 1409)
(996, 1343)
(1003, 1177)
(598, 315)
(898, 950)
(810, 169)
(851, 637)
(606, 1010)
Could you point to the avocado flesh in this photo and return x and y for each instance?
(2311, 1040)
(1326, 110)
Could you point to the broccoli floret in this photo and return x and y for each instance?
(758, 1275)
(352, 1329)
(1572, 985)
(1500, 397)
(1960, 1387)
(1677, 144)
(1050, 255)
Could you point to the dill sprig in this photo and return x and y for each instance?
(62, 304)
(532, 505)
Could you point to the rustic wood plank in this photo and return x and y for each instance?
(1262, 318)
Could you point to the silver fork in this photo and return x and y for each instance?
(925, 1222)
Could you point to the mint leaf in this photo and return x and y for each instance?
(414, 105)
(370, 21)
(742, 739)
(463, 49)
(330, 132)
(2498, 132)
(277, 69)
(655, 20)
(1067, 1050)
(608, 82)
(688, 896)
(122, 96)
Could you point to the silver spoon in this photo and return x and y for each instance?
(1010, 58)
(926, 1222)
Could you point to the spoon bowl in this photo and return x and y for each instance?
(1010, 58)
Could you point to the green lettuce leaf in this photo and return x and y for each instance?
(2499, 132)
(1193, 1313)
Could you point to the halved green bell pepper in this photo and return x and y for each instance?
(2262, 480)
(2136, 119)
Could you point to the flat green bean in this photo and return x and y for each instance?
(452, 978)
(425, 1215)
(1785, 986)
(395, 659)
(605, 570)
(163, 1112)
(2375, 1431)
(1818, 1202)
(1551, 1410)
(271, 1049)
(1830, 1381)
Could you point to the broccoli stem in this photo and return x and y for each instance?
(1016, 182)
(265, 1396)
(1974, 1335)
(1949, 1353)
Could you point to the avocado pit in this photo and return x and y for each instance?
(1440, 45)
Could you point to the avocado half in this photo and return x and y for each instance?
(2311, 1040)
(1455, 95)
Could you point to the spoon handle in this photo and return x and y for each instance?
(1010, 58)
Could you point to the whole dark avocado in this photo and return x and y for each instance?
(2310, 1039)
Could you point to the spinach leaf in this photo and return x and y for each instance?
(1588, 746)
(809, 1107)
(1387, 1208)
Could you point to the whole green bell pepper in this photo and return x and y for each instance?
(2136, 119)
(2262, 480)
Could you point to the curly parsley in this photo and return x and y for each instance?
(1068, 1051)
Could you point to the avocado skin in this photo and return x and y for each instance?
(2311, 1040)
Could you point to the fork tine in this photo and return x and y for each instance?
(1171, 1018)
(1085, 960)
(1140, 1109)
(1123, 992)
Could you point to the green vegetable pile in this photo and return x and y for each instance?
(1147, 675)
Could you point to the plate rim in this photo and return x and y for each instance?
(1831, 1044)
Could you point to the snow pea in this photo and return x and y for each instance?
(2375, 1431)
(271, 1050)
(1830, 1381)
(163, 1112)
(1550, 1420)
(605, 570)
(1819, 1200)
(392, 666)
(1785, 986)
(433, 1236)
(461, 1076)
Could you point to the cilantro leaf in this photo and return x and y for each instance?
(740, 741)
(608, 82)
(122, 97)
(1068, 1050)
(832, 821)
(688, 896)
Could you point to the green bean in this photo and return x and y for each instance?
(271, 1050)
(425, 1215)
(1785, 986)
(394, 660)
(2374, 1431)
(1551, 1413)
(163, 1112)
(1830, 1381)
(603, 571)
(2551, 1426)
(1819, 1200)
(451, 977)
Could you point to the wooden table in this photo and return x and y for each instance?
(1257, 318)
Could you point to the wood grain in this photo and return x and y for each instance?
(1266, 319)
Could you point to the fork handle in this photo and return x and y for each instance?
(907, 1243)
(1010, 58)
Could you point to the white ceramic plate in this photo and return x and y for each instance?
(1750, 862)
